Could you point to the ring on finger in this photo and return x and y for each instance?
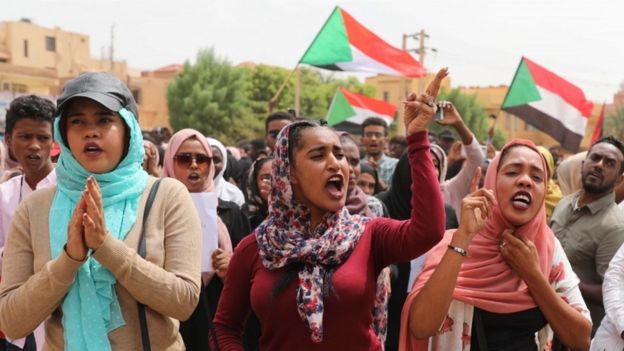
(430, 101)
(503, 244)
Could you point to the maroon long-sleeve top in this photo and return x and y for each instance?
(347, 315)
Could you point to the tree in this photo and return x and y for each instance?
(317, 90)
(614, 123)
(474, 115)
(208, 96)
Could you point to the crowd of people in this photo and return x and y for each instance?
(309, 239)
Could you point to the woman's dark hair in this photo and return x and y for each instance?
(294, 136)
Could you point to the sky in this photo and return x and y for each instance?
(480, 41)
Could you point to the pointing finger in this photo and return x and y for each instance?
(434, 86)
(474, 185)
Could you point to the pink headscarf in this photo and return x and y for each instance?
(485, 280)
(174, 144)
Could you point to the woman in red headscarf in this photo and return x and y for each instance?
(514, 281)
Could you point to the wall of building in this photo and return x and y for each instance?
(44, 70)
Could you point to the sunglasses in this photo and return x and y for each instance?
(186, 159)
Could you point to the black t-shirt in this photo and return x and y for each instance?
(506, 331)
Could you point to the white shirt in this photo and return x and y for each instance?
(456, 188)
(12, 192)
(608, 334)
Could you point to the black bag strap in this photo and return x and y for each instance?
(142, 252)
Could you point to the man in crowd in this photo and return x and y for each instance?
(397, 146)
(28, 134)
(589, 224)
(374, 139)
(273, 124)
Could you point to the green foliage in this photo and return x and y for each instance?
(614, 124)
(474, 115)
(231, 103)
(317, 90)
(208, 96)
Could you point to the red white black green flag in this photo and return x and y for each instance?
(354, 108)
(549, 103)
(343, 44)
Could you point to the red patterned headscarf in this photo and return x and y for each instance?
(286, 237)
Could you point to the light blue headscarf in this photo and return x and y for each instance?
(91, 309)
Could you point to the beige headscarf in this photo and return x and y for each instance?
(553, 192)
(569, 173)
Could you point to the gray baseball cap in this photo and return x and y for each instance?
(102, 87)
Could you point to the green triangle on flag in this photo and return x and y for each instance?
(523, 89)
(331, 44)
(340, 109)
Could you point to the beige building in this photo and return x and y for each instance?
(39, 60)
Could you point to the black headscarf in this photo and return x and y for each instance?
(398, 199)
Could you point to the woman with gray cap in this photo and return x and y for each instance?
(71, 256)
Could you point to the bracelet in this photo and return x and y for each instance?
(459, 250)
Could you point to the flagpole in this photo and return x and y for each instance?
(273, 101)
(298, 92)
(509, 115)
(331, 104)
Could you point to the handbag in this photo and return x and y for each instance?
(142, 251)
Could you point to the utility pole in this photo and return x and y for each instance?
(112, 49)
(422, 50)
(403, 90)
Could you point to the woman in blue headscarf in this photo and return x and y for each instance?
(71, 258)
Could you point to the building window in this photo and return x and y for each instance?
(14, 88)
(386, 96)
(136, 93)
(50, 43)
(25, 48)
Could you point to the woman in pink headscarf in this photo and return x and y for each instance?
(512, 284)
(188, 158)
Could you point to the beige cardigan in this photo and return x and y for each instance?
(33, 285)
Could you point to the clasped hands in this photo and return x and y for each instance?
(87, 228)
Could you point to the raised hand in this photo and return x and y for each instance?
(93, 219)
(476, 208)
(76, 247)
(419, 109)
(451, 115)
